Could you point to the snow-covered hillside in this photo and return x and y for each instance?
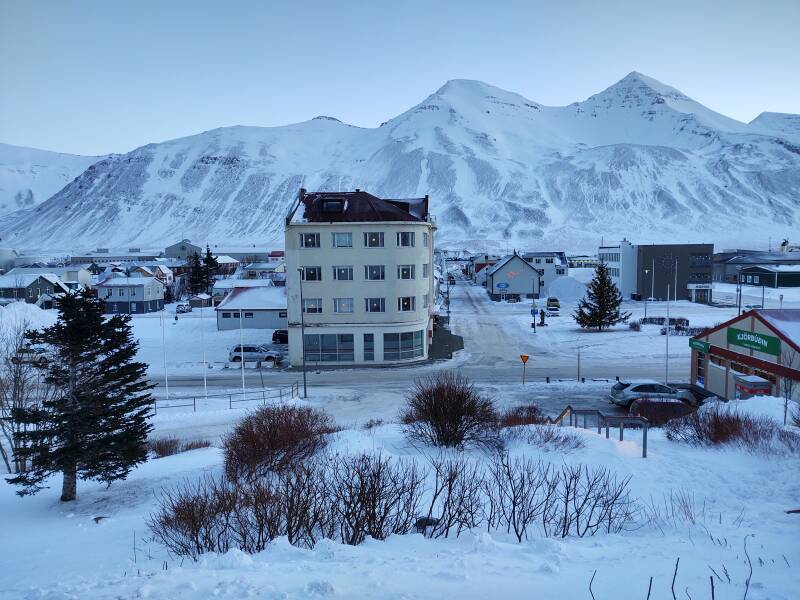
(640, 160)
(29, 176)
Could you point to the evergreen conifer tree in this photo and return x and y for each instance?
(95, 426)
(197, 278)
(210, 268)
(600, 307)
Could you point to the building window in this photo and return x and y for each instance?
(342, 240)
(755, 278)
(425, 268)
(373, 239)
(311, 273)
(398, 346)
(405, 272)
(375, 305)
(374, 272)
(405, 239)
(226, 315)
(329, 347)
(369, 346)
(425, 301)
(113, 308)
(312, 305)
(236, 315)
(309, 240)
(701, 366)
(121, 292)
(281, 314)
(548, 261)
(559, 271)
(133, 306)
(425, 238)
(342, 305)
(406, 303)
(538, 261)
(248, 315)
(343, 273)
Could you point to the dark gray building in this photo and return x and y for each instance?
(686, 268)
(728, 263)
(771, 276)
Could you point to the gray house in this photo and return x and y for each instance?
(131, 295)
(183, 250)
(34, 288)
(253, 308)
(513, 276)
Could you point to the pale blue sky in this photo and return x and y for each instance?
(98, 77)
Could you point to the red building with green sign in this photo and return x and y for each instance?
(754, 353)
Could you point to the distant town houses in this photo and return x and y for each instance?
(34, 288)
(130, 295)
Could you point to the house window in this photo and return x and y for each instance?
(30, 293)
(248, 315)
(405, 272)
(342, 240)
(329, 347)
(405, 239)
(373, 239)
(343, 273)
(538, 261)
(281, 314)
(113, 308)
(559, 271)
(309, 240)
(226, 315)
(311, 273)
(121, 292)
(406, 303)
(425, 268)
(755, 278)
(342, 305)
(425, 301)
(236, 315)
(548, 261)
(398, 346)
(133, 306)
(374, 272)
(312, 305)
(369, 346)
(425, 238)
(375, 305)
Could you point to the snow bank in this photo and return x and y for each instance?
(566, 288)
(757, 406)
(17, 314)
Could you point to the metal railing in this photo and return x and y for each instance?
(603, 420)
(233, 397)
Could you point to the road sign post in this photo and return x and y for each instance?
(524, 358)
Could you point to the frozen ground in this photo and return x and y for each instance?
(59, 551)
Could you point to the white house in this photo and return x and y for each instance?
(359, 276)
(512, 275)
(549, 264)
(253, 308)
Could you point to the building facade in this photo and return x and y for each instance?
(549, 265)
(514, 275)
(31, 287)
(253, 308)
(620, 259)
(774, 276)
(686, 269)
(364, 268)
(131, 295)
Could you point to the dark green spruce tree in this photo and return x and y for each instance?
(210, 269)
(600, 308)
(96, 424)
(197, 278)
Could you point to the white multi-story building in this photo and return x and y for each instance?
(364, 268)
(550, 266)
(621, 261)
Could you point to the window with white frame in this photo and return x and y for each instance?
(548, 261)
(425, 270)
(342, 240)
(311, 273)
(397, 346)
(343, 273)
(312, 305)
(121, 292)
(374, 272)
(405, 271)
(406, 303)
(405, 239)
(369, 346)
(309, 240)
(425, 238)
(375, 305)
(373, 239)
(328, 347)
(342, 305)
(425, 301)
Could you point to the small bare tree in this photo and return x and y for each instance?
(789, 358)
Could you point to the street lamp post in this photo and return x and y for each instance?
(646, 272)
(666, 354)
(302, 332)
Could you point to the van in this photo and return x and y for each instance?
(553, 303)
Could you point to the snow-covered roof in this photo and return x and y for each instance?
(225, 259)
(127, 281)
(503, 262)
(777, 268)
(265, 266)
(230, 283)
(18, 280)
(256, 298)
(202, 296)
(786, 320)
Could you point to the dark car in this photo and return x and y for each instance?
(280, 336)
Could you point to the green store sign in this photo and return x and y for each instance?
(754, 341)
(699, 345)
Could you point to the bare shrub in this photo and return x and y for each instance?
(658, 412)
(195, 445)
(552, 438)
(456, 497)
(166, 446)
(679, 507)
(522, 415)
(635, 326)
(796, 416)
(372, 424)
(373, 496)
(715, 425)
(272, 438)
(446, 410)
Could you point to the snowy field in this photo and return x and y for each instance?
(99, 547)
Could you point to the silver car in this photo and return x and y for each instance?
(254, 353)
(623, 393)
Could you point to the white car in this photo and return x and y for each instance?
(254, 353)
(623, 393)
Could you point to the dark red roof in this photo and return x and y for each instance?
(358, 206)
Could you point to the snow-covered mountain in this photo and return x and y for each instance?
(639, 160)
(29, 176)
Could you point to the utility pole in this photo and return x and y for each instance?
(675, 291)
(164, 347)
(666, 355)
(205, 365)
(653, 281)
(646, 272)
(241, 350)
(303, 331)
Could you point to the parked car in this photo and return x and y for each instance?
(553, 302)
(254, 354)
(183, 308)
(624, 393)
(280, 336)
(30, 355)
(552, 312)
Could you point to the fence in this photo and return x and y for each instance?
(232, 397)
(603, 421)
